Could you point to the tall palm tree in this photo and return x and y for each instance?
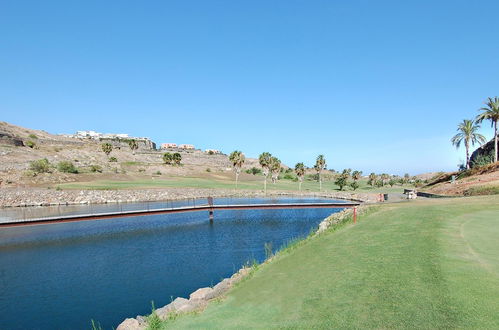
(491, 112)
(264, 160)
(237, 159)
(372, 179)
(275, 168)
(468, 134)
(300, 173)
(320, 165)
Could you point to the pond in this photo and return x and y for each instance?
(61, 276)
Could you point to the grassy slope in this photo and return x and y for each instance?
(428, 264)
(198, 182)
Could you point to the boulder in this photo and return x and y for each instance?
(200, 294)
(219, 289)
(130, 324)
(174, 306)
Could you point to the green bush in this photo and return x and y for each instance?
(67, 167)
(482, 160)
(254, 171)
(208, 169)
(95, 168)
(30, 144)
(158, 173)
(289, 176)
(40, 166)
(354, 185)
(33, 136)
(113, 159)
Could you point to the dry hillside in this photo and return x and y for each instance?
(16, 155)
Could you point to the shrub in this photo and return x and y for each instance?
(254, 171)
(67, 167)
(95, 168)
(33, 136)
(141, 170)
(113, 160)
(177, 158)
(289, 176)
(482, 160)
(30, 144)
(40, 166)
(392, 182)
(208, 169)
(158, 173)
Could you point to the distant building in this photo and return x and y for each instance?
(186, 146)
(168, 145)
(213, 151)
(87, 134)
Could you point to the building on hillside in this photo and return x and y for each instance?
(168, 146)
(212, 151)
(186, 146)
(87, 134)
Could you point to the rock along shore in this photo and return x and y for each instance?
(21, 197)
(199, 299)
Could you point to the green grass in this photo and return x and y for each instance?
(212, 183)
(425, 265)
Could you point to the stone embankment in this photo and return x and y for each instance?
(199, 299)
(44, 197)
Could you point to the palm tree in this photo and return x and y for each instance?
(356, 175)
(468, 134)
(133, 145)
(320, 165)
(372, 179)
(107, 148)
(264, 160)
(275, 168)
(300, 173)
(384, 179)
(237, 159)
(491, 112)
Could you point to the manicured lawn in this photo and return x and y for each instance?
(425, 264)
(212, 183)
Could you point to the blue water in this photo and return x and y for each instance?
(60, 276)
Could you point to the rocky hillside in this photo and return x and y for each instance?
(19, 146)
(477, 181)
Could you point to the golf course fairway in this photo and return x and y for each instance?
(421, 264)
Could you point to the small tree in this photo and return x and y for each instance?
(355, 185)
(275, 168)
(176, 158)
(107, 148)
(392, 182)
(237, 159)
(167, 158)
(300, 173)
(320, 165)
(264, 160)
(133, 144)
(341, 181)
(407, 177)
(372, 179)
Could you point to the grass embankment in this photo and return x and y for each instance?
(426, 264)
(222, 183)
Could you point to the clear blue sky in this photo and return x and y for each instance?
(374, 85)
